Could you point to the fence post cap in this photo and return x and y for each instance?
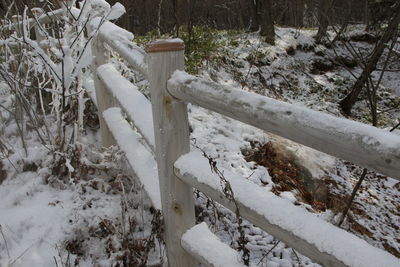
(165, 45)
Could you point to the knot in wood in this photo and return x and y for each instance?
(177, 208)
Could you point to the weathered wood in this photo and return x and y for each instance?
(206, 248)
(357, 142)
(105, 100)
(136, 106)
(140, 159)
(319, 240)
(172, 140)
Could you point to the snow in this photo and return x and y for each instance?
(35, 219)
(88, 84)
(133, 54)
(24, 220)
(110, 30)
(141, 160)
(199, 240)
(121, 41)
(137, 106)
(116, 11)
(327, 238)
(32, 212)
(301, 124)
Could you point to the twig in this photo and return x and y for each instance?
(353, 195)
(228, 192)
(269, 251)
(297, 256)
(395, 127)
(22, 254)
(5, 241)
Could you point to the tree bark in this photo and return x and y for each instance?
(267, 21)
(299, 13)
(323, 9)
(255, 23)
(240, 23)
(348, 102)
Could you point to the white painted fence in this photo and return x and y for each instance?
(158, 150)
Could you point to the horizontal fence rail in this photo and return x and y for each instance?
(154, 135)
(346, 139)
(134, 103)
(122, 44)
(299, 229)
(140, 159)
(206, 248)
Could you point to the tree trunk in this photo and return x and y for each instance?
(323, 9)
(267, 21)
(240, 23)
(348, 102)
(255, 23)
(299, 13)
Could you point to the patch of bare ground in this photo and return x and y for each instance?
(288, 175)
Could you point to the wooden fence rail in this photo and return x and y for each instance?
(171, 88)
(158, 150)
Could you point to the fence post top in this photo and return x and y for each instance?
(165, 45)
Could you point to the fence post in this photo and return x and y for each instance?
(105, 100)
(171, 129)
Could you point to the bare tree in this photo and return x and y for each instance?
(262, 17)
(348, 102)
(323, 19)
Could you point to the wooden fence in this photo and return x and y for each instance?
(158, 150)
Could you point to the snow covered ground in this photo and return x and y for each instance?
(101, 216)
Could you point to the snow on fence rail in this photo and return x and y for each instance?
(346, 139)
(136, 106)
(133, 54)
(305, 232)
(179, 170)
(158, 151)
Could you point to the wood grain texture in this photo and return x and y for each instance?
(171, 130)
(104, 99)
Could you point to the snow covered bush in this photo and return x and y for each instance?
(44, 66)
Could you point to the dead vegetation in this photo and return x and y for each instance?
(371, 214)
(288, 175)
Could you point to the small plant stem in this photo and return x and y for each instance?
(353, 195)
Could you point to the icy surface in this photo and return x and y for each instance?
(141, 160)
(137, 106)
(327, 238)
(199, 240)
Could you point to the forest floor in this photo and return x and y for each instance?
(96, 214)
